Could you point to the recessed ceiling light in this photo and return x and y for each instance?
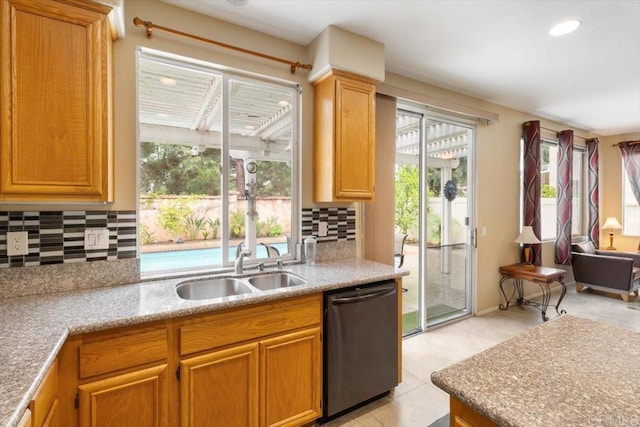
(283, 103)
(167, 81)
(162, 115)
(249, 127)
(565, 27)
(239, 3)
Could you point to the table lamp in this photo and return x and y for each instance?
(527, 237)
(611, 224)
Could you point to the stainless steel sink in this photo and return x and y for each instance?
(266, 282)
(211, 288)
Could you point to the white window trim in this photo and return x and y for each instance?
(296, 156)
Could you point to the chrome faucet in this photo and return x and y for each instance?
(240, 260)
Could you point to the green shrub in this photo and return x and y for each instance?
(172, 214)
(268, 228)
(214, 228)
(236, 224)
(148, 237)
(407, 190)
(434, 222)
(193, 225)
(548, 192)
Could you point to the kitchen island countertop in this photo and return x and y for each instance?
(34, 328)
(566, 372)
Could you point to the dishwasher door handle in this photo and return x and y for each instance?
(349, 300)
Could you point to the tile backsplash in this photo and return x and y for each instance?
(341, 223)
(57, 237)
(56, 248)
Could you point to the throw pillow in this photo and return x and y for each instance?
(585, 247)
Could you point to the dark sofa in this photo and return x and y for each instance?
(611, 271)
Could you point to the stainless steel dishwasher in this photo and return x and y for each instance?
(360, 345)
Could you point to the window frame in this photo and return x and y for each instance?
(583, 189)
(228, 74)
(623, 208)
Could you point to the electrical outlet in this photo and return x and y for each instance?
(96, 238)
(17, 243)
(323, 228)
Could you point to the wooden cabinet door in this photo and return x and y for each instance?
(25, 421)
(54, 101)
(290, 379)
(44, 405)
(344, 138)
(139, 398)
(53, 418)
(220, 388)
(355, 140)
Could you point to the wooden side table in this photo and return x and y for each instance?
(542, 276)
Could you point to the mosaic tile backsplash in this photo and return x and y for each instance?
(341, 223)
(57, 237)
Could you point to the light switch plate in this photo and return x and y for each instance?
(96, 238)
(17, 243)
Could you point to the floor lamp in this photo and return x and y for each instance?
(527, 238)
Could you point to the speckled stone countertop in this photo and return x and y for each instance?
(34, 328)
(566, 372)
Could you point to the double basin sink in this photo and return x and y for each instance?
(218, 287)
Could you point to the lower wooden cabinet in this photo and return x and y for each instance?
(118, 377)
(220, 386)
(53, 418)
(26, 419)
(464, 416)
(272, 375)
(290, 379)
(258, 365)
(136, 399)
(44, 406)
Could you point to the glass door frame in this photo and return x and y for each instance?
(417, 111)
(471, 238)
(470, 125)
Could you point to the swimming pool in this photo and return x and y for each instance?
(194, 258)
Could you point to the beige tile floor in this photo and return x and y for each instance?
(417, 402)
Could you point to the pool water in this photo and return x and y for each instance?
(194, 258)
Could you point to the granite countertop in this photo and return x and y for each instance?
(566, 372)
(34, 328)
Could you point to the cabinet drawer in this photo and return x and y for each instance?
(249, 323)
(45, 396)
(115, 352)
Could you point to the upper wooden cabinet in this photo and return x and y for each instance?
(55, 106)
(344, 157)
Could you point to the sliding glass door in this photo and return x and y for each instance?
(434, 210)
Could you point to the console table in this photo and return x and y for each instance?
(542, 276)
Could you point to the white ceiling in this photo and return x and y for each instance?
(499, 51)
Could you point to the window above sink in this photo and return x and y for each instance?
(219, 165)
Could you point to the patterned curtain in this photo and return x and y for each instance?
(531, 182)
(593, 226)
(631, 156)
(564, 197)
